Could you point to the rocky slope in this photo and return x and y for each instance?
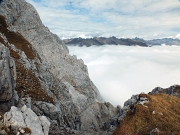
(143, 113)
(49, 81)
(103, 41)
(160, 112)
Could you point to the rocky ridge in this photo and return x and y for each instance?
(166, 41)
(99, 41)
(143, 113)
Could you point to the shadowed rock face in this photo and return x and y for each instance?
(7, 79)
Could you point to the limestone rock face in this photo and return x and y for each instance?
(21, 119)
(55, 60)
(97, 114)
(7, 78)
(49, 81)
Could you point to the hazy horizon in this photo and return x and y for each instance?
(121, 71)
(147, 19)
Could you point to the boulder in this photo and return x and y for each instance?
(24, 120)
(155, 132)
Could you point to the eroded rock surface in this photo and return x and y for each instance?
(50, 81)
(7, 79)
(22, 119)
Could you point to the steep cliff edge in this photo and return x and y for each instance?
(50, 81)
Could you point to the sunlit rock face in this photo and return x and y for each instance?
(49, 81)
(24, 118)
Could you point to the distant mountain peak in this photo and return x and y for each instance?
(98, 41)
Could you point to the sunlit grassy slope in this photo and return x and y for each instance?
(162, 112)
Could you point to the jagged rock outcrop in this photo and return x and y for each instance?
(155, 102)
(129, 105)
(161, 112)
(8, 95)
(172, 90)
(50, 81)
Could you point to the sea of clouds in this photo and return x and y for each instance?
(121, 71)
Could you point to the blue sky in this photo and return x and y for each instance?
(121, 18)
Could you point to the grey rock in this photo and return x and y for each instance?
(45, 124)
(25, 101)
(14, 118)
(97, 113)
(7, 79)
(47, 109)
(155, 132)
(111, 124)
(32, 121)
(19, 119)
(172, 90)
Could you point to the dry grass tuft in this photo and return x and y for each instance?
(166, 117)
(27, 130)
(17, 39)
(27, 84)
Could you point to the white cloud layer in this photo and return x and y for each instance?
(121, 71)
(178, 36)
(122, 18)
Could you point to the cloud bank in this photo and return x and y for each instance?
(121, 18)
(121, 71)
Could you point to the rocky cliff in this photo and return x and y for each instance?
(49, 82)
